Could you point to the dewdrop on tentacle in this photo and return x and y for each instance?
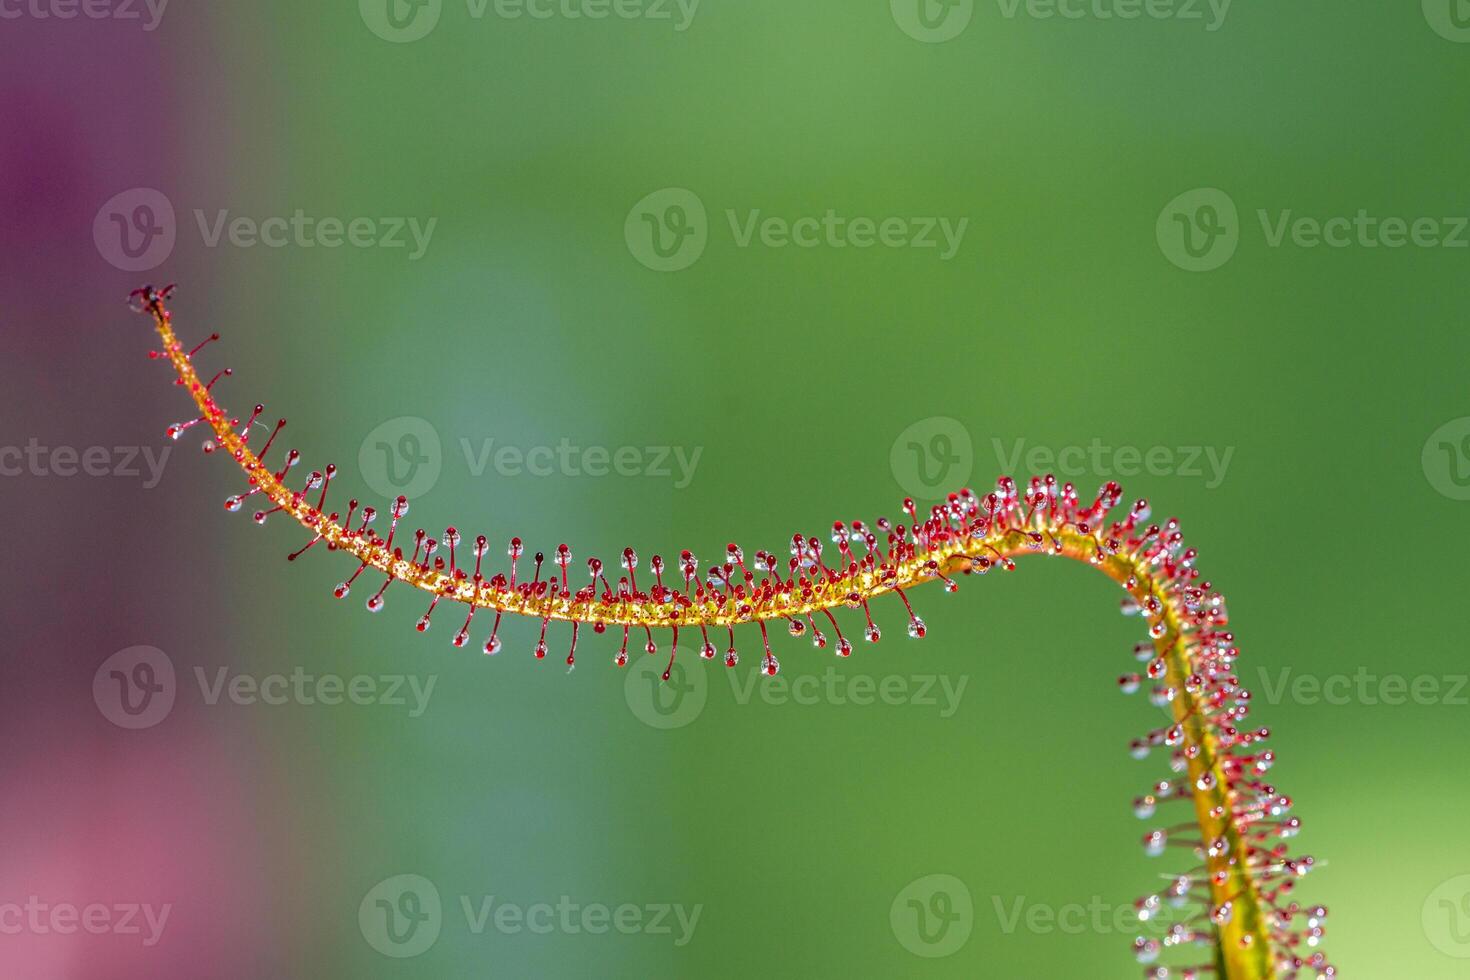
(482, 545)
(1215, 761)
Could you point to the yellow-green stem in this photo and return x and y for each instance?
(1244, 945)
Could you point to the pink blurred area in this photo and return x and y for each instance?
(92, 814)
(152, 820)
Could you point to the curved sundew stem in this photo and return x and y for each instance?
(550, 604)
(1246, 872)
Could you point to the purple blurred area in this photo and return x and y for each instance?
(122, 857)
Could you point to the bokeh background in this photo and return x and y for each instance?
(1120, 304)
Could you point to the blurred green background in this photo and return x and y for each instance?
(1326, 383)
